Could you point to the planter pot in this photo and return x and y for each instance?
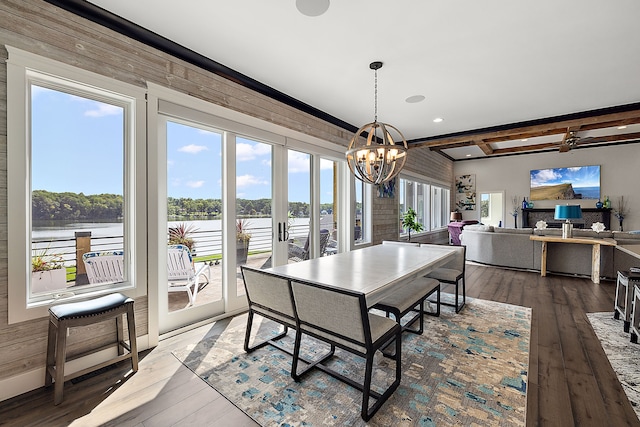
(242, 250)
(48, 281)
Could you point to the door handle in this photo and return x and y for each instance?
(286, 231)
(279, 232)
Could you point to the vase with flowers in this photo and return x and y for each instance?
(620, 211)
(514, 210)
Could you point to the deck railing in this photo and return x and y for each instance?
(208, 244)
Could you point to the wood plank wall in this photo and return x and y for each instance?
(43, 29)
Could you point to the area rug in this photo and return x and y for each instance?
(466, 369)
(622, 354)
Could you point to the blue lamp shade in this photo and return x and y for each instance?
(568, 212)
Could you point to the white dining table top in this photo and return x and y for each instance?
(372, 270)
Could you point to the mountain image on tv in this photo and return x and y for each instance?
(580, 182)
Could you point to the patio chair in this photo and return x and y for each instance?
(340, 318)
(182, 274)
(104, 267)
(301, 253)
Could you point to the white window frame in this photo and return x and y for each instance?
(428, 207)
(23, 70)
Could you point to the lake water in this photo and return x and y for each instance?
(66, 230)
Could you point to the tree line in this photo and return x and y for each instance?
(48, 205)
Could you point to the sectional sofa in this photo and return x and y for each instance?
(512, 247)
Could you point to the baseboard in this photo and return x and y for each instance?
(28, 381)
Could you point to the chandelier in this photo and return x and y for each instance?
(373, 155)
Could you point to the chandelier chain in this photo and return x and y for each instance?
(375, 96)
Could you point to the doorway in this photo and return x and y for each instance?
(492, 208)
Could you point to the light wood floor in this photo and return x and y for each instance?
(570, 380)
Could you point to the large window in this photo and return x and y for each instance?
(430, 201)
(72, 151)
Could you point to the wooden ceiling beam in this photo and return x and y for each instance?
(522, 132)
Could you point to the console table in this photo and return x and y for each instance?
(595, 257)
(589, 216)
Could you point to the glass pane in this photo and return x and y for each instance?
(359, 214)
(194, 213)
(328, 207)
(436, 207)
(299, 184)
(77, 189)
(254, 238)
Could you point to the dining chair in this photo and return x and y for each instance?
(453, 273)
(340, 318)
(269, 296)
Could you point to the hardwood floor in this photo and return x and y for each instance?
(570, 380)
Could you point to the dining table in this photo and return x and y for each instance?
(373, 270)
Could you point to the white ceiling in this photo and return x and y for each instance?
(477, 63)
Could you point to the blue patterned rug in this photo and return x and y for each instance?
(466, 369)
(622, 354)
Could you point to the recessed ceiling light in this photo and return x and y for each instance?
(438, 120)
(415, 98)
(524, 140)
(312, 7)
(468, 155)
(622, 127)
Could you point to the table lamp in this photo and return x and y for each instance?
(567, 212)
(455, 216)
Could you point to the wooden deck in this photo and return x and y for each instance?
(570, 379)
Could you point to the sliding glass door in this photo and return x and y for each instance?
(231, 197)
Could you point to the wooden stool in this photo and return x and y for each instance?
(65, 316)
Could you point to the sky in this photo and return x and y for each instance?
(77, 147)
(583, 176)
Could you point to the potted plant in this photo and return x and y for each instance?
(181, 235)
(410, 222)
(242, 240)
(47, 272)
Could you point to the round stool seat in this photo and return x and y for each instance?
(89, 308)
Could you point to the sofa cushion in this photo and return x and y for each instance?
(513, 230)
(591, 233)
(479, 227)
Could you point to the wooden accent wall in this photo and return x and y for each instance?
(45, 30)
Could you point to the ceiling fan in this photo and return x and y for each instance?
(571, 140)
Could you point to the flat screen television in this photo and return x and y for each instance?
(580, 182)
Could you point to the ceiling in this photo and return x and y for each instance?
(497, 71)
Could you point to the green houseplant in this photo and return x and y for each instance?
(48, 272)
(410, 222)
(242, 240)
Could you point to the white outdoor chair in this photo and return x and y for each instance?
(181, 273)
(104, 267)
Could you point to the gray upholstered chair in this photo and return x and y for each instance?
(453, 273)
(270, 296)
(341, 318)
